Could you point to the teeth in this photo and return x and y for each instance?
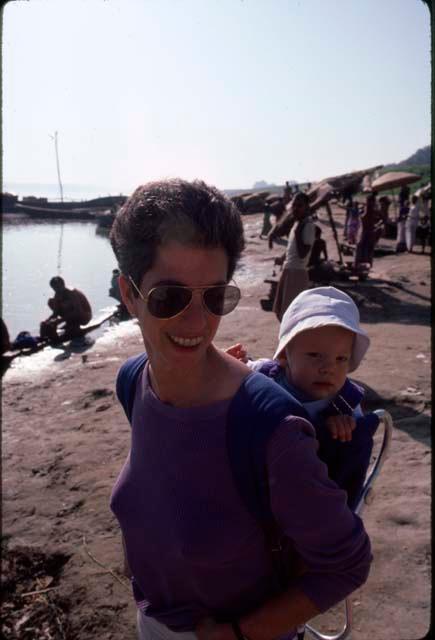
(187, 342)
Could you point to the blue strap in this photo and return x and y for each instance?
(345, 401)
(369, 421)
(256, 410)
(270, 368)
(127, 380)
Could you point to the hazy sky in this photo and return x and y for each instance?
(231, 91)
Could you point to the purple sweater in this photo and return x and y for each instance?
(193, 548)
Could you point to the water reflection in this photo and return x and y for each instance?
(34, 251)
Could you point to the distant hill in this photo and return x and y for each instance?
(262, 184)
(419, 162)
(420, 157)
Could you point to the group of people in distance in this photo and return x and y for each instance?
(413, 218)
(365, 224)
(306, 256)
(237, 499)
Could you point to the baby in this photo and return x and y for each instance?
(320, 342)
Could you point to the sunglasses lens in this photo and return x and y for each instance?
(167, 301)
(221, 300)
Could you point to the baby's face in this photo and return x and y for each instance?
(318, 360)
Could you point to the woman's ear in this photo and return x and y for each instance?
(127, 295)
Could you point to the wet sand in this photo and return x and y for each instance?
(65, 439)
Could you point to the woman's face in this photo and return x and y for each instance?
(299, 208)
(183, 340)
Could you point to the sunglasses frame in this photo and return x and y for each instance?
(191, 289)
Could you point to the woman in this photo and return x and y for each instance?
(401, 228)
(294, 277)
(200, 562)
(369, 232)
(354, 224)
(411, 223)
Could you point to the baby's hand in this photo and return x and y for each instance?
(341, 427)
(238, 351)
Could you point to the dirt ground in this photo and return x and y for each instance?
(65, 439)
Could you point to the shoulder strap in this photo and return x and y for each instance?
(270, 368)
(344, 403)
(349, 397)
(126, 381)
(369, 421)
(257, 409)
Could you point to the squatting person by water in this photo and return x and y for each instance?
(69, 306)
(200, 561)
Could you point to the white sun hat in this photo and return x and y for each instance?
(322, 307)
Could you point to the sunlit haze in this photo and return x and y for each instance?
(230, 91)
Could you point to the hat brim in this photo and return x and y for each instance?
(360, 346)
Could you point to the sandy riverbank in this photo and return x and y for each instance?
(65, 439)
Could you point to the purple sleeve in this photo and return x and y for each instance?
(311, 510)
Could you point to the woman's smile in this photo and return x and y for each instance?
(186, 342)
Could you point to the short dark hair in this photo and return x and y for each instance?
(56, 281)
(192, 213)
(301, 195)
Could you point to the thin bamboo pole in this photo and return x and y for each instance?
(334, 231)
(58, 165)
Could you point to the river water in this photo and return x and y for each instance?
(35, 251)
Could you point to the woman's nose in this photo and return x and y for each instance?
(195, 313)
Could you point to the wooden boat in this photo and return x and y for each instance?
(105, 219)
(43, 208)
(95, 203)
(51, 214)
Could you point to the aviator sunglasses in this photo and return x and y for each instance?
(168, 300)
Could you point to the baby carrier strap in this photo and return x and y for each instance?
(344, 403)
(346, 400)
(270, 368)
(370, 422)
(255, 412)
(126, 381)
